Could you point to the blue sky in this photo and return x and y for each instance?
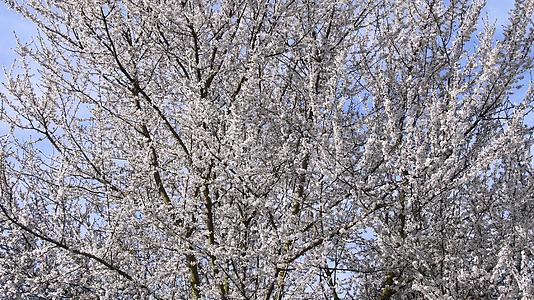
(11, 22)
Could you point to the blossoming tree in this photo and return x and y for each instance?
(281, 149)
